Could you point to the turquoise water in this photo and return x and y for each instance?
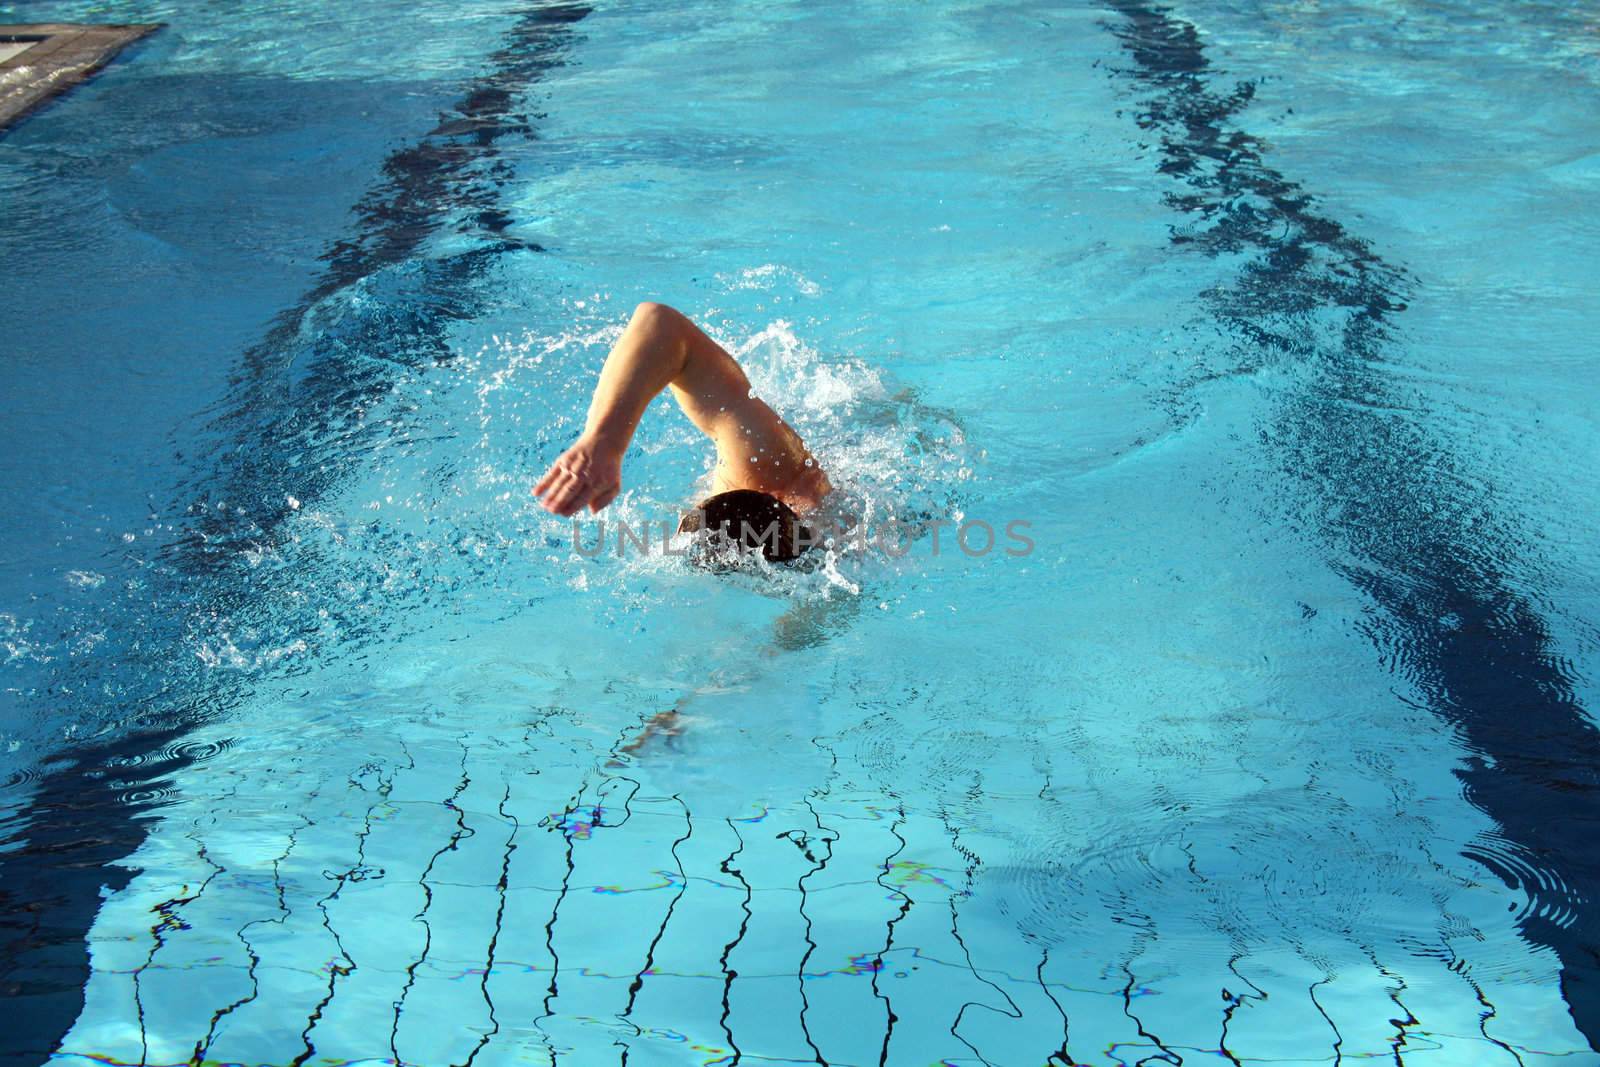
(320, 740)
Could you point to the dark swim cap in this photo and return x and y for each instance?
(752, 520)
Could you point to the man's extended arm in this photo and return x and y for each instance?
(661, 348)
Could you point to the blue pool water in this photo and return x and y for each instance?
(1274, 323)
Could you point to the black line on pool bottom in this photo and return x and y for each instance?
(565, 825)
(1461, 968)
(1402, 515)
(566, 828)
(502, 885)
(969, 874)
(169, 921)
(1233, 1000)
(1402, 1025)
(345, 965)
(1146, 926)
(650, 952)
(827, 835)
(459, 834)
(84, 815)
(1338, 1038)
(1061, 1057)
(890, 1018)
(1165, 1054)
(744, 926)
(203, 1046)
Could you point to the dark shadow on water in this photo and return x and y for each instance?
(1402, 517)
(86, 814)
(89, 808)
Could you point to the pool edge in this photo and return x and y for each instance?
(66, 55)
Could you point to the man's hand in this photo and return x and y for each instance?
(590, 472)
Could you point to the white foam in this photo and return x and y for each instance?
(767, 277)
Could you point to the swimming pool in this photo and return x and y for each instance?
(1272, 324)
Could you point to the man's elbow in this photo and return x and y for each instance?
(651, 312)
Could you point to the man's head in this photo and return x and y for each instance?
(752, 519)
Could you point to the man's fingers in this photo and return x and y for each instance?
(579, 497)
(563, 466)
(559, 492)
(545, 482)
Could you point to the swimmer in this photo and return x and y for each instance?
(765, 478)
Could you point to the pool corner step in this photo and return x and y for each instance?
(41, 60)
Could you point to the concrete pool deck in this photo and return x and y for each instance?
(40, 60)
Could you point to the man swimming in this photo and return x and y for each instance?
(765, 478)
